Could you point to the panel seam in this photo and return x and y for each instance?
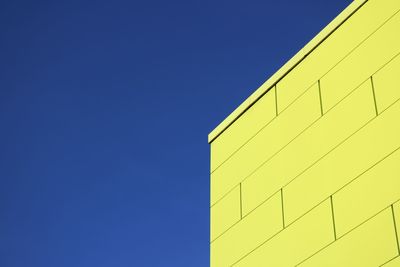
(380, 68)
(345, 234)
(352, 180)
(276, 100)
(276, 192)
(395, 230)
(244, 216)
(351, 51)
(338, 145)
(389, 261)
(240, 192)
(333, 218)
(374, 95)
(283, 147)
(351, 92)
(320, 97)
(292, 67)
(283, 213)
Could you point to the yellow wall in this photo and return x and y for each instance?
(309, 174)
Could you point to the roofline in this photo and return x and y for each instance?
(285, 69)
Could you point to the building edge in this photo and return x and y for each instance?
(286, 68)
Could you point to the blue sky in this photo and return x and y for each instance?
(105, 107)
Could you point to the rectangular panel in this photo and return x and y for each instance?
(267, 142)
(387, 84)
(296, 242)
(225, 213)
(245, 127)
(334, 48)
(311, 145)
(376, 189)
(371, 244)
(371, 55)
(249, 233)
(358, 153)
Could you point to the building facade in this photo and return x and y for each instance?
(306, 171)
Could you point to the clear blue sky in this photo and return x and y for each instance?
(105, 107)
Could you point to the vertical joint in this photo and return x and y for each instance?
(395, 230)
(276, 100)
(320, 97)
(240, 192)
(373, 94)
(333, 218)
(283, 213)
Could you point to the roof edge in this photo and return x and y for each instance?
(286, 68)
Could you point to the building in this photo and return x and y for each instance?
(306, 171)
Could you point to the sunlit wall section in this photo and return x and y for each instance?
(306, 172)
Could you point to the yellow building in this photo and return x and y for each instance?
(306, 171)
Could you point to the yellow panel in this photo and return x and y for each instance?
(316, 141)
(354, 156)
(296, 242)
(256, 117)
(267, 142)
(393, 263)
(371, 55)
(372, 244)
(387, 84)
(225, 213)
(334, 48)
(249, 233)
(367, 195)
